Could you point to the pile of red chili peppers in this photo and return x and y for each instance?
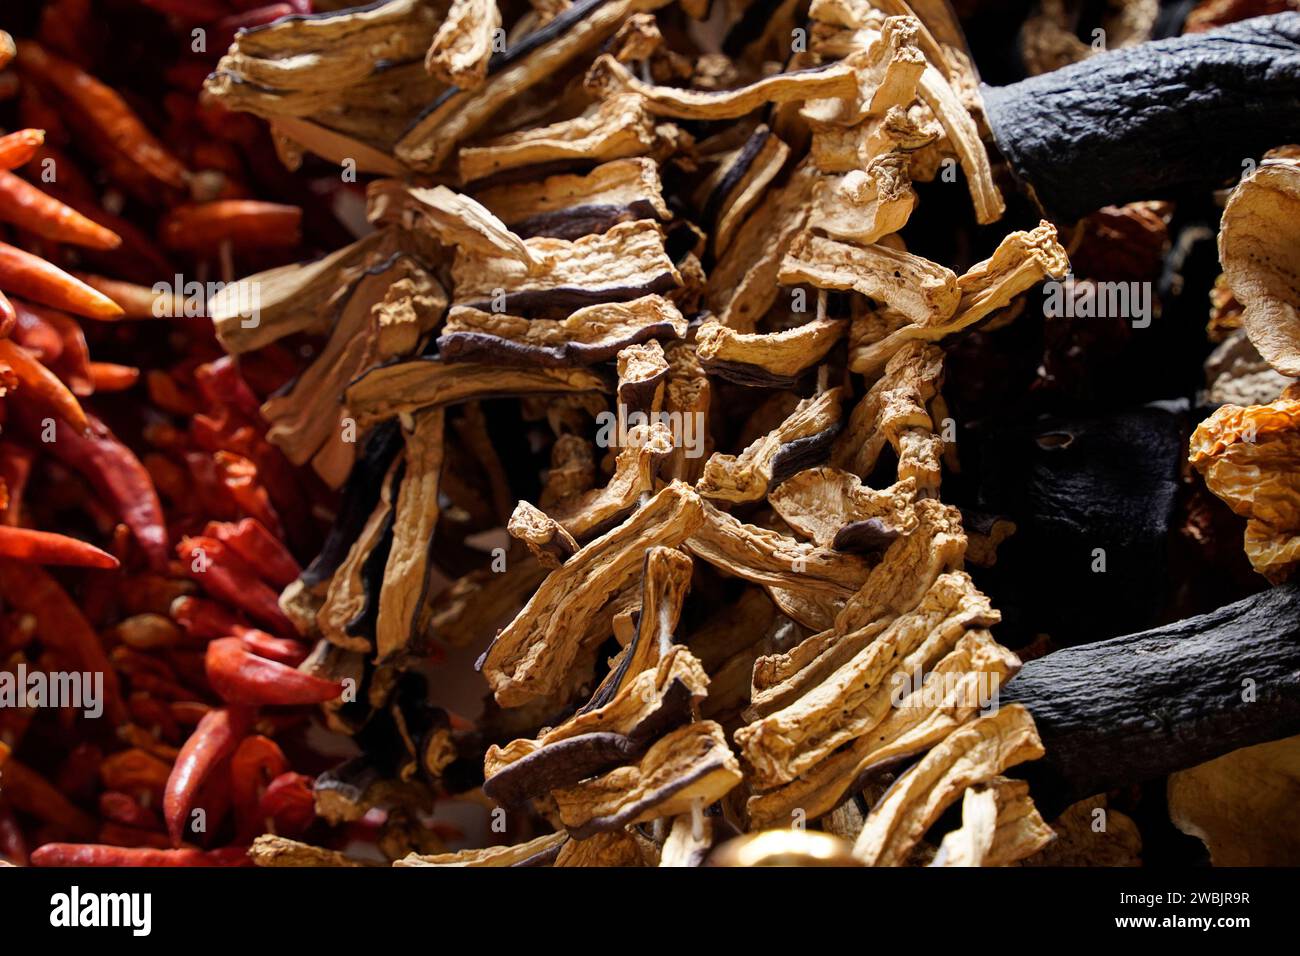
(125, 427)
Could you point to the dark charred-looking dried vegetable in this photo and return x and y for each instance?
(658, 427)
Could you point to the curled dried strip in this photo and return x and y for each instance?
(615, 128)
(594, 741)
(888, 71)
(456, 219)
(616, 848)
(568, 206)
(463, 44)
(1258, 249)
(689, 840)
(835, 509)
(772, 358)
(798, 442)
(864, 206)
(272, 850)
(999, 826)
(457, 114)
(820, 579)
(530, 657)
(896, 405)
(635, 466)
(972, 754)
(415, 516)
(743, 284)
(627, 262)
(545, 537)
(642, 373)
(923, 291)
(975, 665)
(840, 149)
(609, 78)
(536, 852)
(404, 387)
(689, 765)
(589, 335)
(1250, 458)
(850, 702)
(1021, 261)
(739, 184)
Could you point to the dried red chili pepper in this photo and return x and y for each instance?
(73, 362)
(19, 147)
(214, 739)
(107, 377)
(25, 206)
(258, 548)
(223, 575)
(222, 385)
(35, 334)
(241, 677)
(40, 383)
(45, 547)
(125, 809)
(61, 626)
(136, 771)
(256, 762)
(117, 834)
(32, 277)
(105, 109)
(31, 793)
(122, 480)
(289, 804)
(241, 480)
(248, 223)
(8, 316)
(282, 649)
(93, 854)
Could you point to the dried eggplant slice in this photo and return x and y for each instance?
(616, 128)
(456, 219)
(590, 743)
(457, 114)
(616, 848)
(740, 184)
(569, 206)
(799, 441)
(404, 387)
(414, 518)
(609, 78)
(627, 262)
(835, 509)
(923, 291)
(1021, 261)
(864, 206)
(1258, 249)
(271, 850)
(970, 755)
(778, 356)
(589, 335)
(463, 44)
(530, 657)
(950, 697)
(688, 765)
(888, 71)
(634, 470)
(544, 536)
(854, 699)
(689, 840)
(1000, 826)
(534, 852)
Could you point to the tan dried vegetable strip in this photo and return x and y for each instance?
(413, 523)
(970, 755)
(856, 697)
(750, 190)
(455, 218)
(1021, 261)
(489, 856)
(345, 597)
(607, 77)
(426, 145)
(864, 206)
(462, 46)
(914, 726)
(626, 262)
(632, 183)
(785, 353)
(747, 476)
(888, 71)
(634, 471)
(271, 850)
(692, 763)
(420, 383)
(613, 129)
(591, 334)
(533, 653)
(617, 848)
(820, 502)
(923, 291)
(689, 840)
(545, 537)
(664, 583)
(1250, 458)
(999, 826)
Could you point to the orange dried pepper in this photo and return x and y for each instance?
(135, 301)
(105, 109)
(19, 147)
(202, 227)
(33, 278)
(25, 206)
(44, 384)
(95, 854)
(107, 377)
(8, 316)
(44, 547)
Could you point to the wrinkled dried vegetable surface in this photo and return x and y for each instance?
(651, 460)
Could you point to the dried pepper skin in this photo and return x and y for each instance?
(40, 383)
(224, 575)
(44, 547)
(24, 274)
(241, 677)
(244, 222)
(17, 149)
(91, 854)
(26, 206)
(213, 740)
